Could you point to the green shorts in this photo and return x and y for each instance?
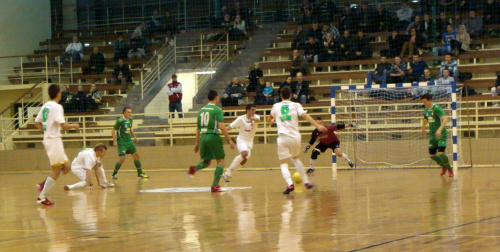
(126, 148)
(435, 143)
(211, 147)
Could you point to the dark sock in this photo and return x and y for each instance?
(117, 167)
(218, 172)
(438, 160)
(201, 165)
(138, 166)
(445, 161)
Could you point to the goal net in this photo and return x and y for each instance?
(387, 124)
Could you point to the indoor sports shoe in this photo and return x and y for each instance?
(142, 175)
(310, 170)
(226, 177)
(107, 184)
(450, 173)
(351, 164)
(192, 170)
(45, 201)
(66, 188)
(114, 177)
(443, 171)
(216, 188)
(308, 185)
(289, 189)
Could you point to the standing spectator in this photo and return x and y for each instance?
(412, 43)
(490, 12)
(288, 83)
(447, 38)
(300, 90)
(474, 25)
(169, 24)
(315, 32)
(398, 71)
(137, 47)
(382, 19)
(121, 48)
(416, 68)
(96, 63)
(174, 92)
(365, 18)
(404, 15)
(347, 19)
(155, 22)
(94, 98)
(306, 12)
(312, 51)
(362, 47)
(268, 93)
(298, 63)
(233, 95)
(239, 30)
(450, 64)
(446, 78)
(462, 42)
(254, 77)
(79, 100)
(429, 31)
(142, 30)
(441, 25)
(299, 38)
(122, 74)
(331, 49)
(347, 46)
(380, 73)
(73, 50)
(395, 41)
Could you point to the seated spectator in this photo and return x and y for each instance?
(429, 29)
(447, 38)
(416, 69)
(169, 24)
(288, 83)
(494, 90)
(259, 92)
(242, 11)
(298, 63)
(441, 25)
(474, 25)
(397, 73)
(326, 30)
(299, 38)
(404, 15)
(380, 73)
(395, 41)
(73, 50)
(233, 95)
(96, 63)
(137, 47)
(156, 22)
(450, 64)
(312, 51)
(426, 77)
(142, 30)
(122, 74)
(65, 96)
(94, 98)
(413, 43)
(79, 100)
(446, 78)
(490, 12)
(254, 77)
(268, 94)
(382, 20)
(418, 25)
(121, 49)
(462, 44)
(238, 30)
(365, 18)
(226, 23)
(362, 49)
(347, 19)
(315, 32)
(347, 46)
(306, 12)
(331, 51)
(300, 90)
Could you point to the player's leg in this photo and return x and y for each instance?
(314, 156)
(50, 181)
(245, 149)
(57, 157)
(82, 175)
(137, 162)
(205, 154)
(219, 154)
(66, 167)
(283, 156)
(433, 147)
(118, 165)
(295, 153)
(445, 161)
(339, 153)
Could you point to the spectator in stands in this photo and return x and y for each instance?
(466, 5)
(416, 69)
(268, 93)
(474, 25)
(156, 22)
(65, 95)
(347, 19)
(300, 90)
(233, 95)
(441, 25)
(450, 64)
(142, 30)
(397, 73)
(380, 73)
(446, 5)
(254, 77)
(299, 38)
(298, 63)
(426, 77)
(96, 63)
(122, 74)
(412, 43)
(169, 23)
(242, 11)
(121, 48)
(79, 100)
(362, 49)
(174, 92)
(462, 44)
(306, 12)
(238, 30)
(326, 30)
(494, 90)
(347, 46)
(490, 12)
(312, 51)
(325, 11)
(73, 50)
(259, 92)
(287, 83)
(446, 78)
(94, 98)
(331, 51)
(404, 15)
(395, 41)
(365, 18)
(223, 12)
(448, 36)
(417, 24)
(315, 32)
(457, 21)
(137, 47)
(382, 19)
(429, 29)
(226, 23)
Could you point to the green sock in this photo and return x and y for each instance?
(218, 172)
(446, 161)
(438, 160)
(201, 165)
(117, 167)
(138, 166)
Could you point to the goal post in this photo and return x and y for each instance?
(388, 118)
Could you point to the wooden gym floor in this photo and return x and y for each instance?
(381, 210)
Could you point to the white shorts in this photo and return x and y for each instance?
(288, 147)
(80, 172)
(244, 146)
(55, 151)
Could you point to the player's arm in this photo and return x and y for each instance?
(424, 123)
(133, 135)
(270, 120)
(222, 127)
(311, 142)
(197, 146)
(113, 134)
(68, 126)
(228, 128)
(88, 179)
(313, 122)
(39, 126)
(444, 121)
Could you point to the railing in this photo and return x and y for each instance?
(159, 63)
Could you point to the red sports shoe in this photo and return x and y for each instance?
(192, 170)
(215, 188)
(443, 171)
(450, 172)
(45, 201)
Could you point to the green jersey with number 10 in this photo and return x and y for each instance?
(286, 114)
(208, 119)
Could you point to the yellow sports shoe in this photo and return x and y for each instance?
(142, 175)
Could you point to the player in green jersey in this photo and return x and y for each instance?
(122, 138)
(437, 119)
(208, 140)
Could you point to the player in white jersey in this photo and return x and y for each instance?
(244, 142)
(84, 162)
(50, 120)
(286, 114)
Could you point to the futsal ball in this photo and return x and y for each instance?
(297, 178)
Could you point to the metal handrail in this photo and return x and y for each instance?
(163, 61)
(19, 98)
(226, 34)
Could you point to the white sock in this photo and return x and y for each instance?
(102, 175)
(311, 163)
(49, 182)
(78, 185)
(300, 168)
(345, 157)
(286, 174)
(235, 165)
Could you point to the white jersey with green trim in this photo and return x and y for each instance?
(286, 114)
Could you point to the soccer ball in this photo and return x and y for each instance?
(297, 178)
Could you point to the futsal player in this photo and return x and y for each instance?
(50, 120)
(89, 159)
(122, 137)
(208, 142)
(437, 119)
(247, 125)
(327, 140)
(286, 114)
